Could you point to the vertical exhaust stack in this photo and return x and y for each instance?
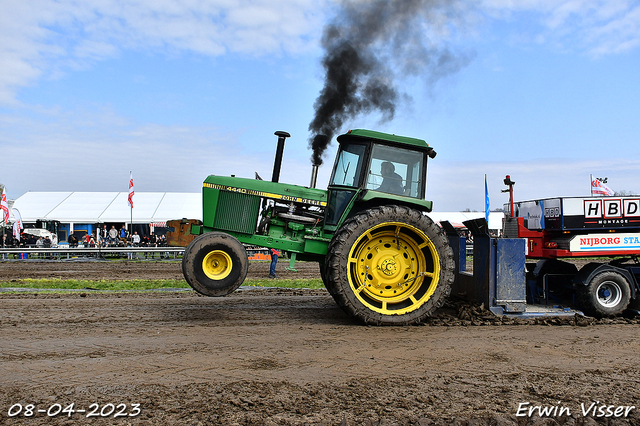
(277, 164)
(314, 176)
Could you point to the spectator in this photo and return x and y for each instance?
(30, 240)
(274, 261)
(135, 239)
(73, 241)
(99, 238)
(144, 242)
(113, 235)
(4, 245)
(123, 234)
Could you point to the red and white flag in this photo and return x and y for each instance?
(17, 225)
(131, 191)
(5, 207)
(599, 188)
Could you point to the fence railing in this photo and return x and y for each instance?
(62, 252)
(24, 253)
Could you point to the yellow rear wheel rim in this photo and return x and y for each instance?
(217, 265)
(393, 268)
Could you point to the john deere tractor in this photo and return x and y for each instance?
(381, 258)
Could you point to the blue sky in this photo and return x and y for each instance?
(177, 90)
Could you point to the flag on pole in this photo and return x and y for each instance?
(599, 188)
(5, 207)
(131, 191)
(487, 207)
(17, 225)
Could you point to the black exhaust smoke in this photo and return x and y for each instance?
(365, 46)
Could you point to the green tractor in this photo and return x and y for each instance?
(381, 258)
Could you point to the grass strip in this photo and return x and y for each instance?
(121, 285)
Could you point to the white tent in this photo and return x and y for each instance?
(101, 207)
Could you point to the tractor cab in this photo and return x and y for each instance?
(372, 168)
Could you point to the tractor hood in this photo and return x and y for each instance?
(274, 190)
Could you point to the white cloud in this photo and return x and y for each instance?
(599, 27)
(94, 150)
(44, 39)
(39, 38)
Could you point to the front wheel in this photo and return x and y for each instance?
(608, 293)
(389, 265)
(215, 264)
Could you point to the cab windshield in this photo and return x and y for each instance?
(348, 165)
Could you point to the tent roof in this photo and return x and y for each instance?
(100, 207)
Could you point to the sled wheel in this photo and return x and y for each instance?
(390, 265)
(215, 264)
(608, 293)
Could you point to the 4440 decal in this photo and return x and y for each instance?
(265, 194)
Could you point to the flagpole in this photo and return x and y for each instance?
(591, 184)
(130, 206)
(4, 221)
(486, 200)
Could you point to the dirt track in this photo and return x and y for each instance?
(292, 357)
(123, 270)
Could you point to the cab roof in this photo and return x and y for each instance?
(385, 137)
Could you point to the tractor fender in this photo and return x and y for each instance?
(370, 199)
(590, 270)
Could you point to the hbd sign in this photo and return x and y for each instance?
(610, 208)
(561, 214)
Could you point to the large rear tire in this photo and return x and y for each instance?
(215, 264)
(389, 265)
(607, 294)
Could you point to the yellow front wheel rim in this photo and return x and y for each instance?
(394, 268)
(217, 265)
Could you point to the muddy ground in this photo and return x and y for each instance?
(291, 357)
(124, 270)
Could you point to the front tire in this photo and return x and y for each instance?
(389, 265)
(215, 264)
(607, 294)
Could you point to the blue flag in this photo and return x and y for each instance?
(487, 208)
